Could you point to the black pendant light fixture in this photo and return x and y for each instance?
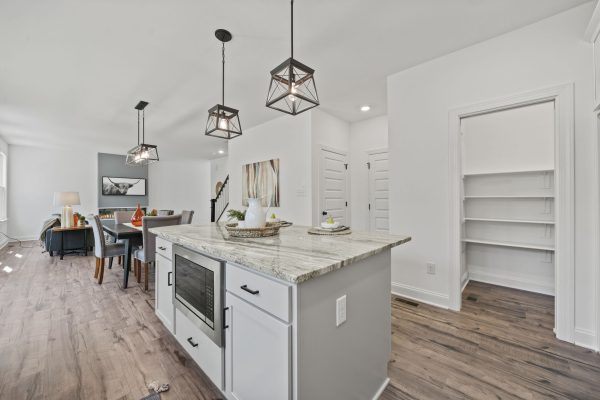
(292, 89)
(143, 153)
(223, 122)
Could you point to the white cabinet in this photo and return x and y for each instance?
(257, 353)
(164, 291)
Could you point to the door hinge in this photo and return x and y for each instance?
(369, 165)
(369, 206)
(346, 204)
(346, 166)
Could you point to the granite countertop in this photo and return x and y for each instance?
(293, 256)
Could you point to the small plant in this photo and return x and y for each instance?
(236, 214)
(273, 216)
(330, 220)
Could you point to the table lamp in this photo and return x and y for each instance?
(66, 200)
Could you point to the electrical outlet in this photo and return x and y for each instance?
(431, 268)
(340, 310)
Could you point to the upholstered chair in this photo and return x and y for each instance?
(122, 217)
(187, 216)
(102, 249)
(146, 255)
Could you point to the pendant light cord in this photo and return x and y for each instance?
(223, 75)
(143, 126)
(292, 27)
(138, 126)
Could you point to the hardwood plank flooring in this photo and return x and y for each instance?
(63, 336)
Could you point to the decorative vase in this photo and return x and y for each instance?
(255, 215)
(136, 219)
(75, 219)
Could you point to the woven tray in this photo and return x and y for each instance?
(329, 232)
(271, 229)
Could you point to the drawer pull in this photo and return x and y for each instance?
(169, 275)
(245, 288)
(162, 248)
(225, 326)
(191, 342)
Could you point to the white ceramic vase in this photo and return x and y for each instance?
(255, 215)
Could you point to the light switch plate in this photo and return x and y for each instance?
(431, 268)
(340, 310)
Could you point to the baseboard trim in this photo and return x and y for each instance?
(421, 295)
(23, 239)
(585, 338)
(465, 280)
(520, 282)
(381, 389)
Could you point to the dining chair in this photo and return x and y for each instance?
(187, 216)
(162, 213)
(122, 217)
(102, 249)
(146, 255)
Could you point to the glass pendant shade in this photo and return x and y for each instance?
(292, 89)
(142, 154)
(223, 122)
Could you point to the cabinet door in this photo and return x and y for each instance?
(164, 291)
(257, 353)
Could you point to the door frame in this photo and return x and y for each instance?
(319, 210)
(370, 153)
(564, 179)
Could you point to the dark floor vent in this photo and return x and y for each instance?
(410, 303)
(471, 298)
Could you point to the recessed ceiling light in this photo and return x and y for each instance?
(365, 108)
(221, 151)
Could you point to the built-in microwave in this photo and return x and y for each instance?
(198, 290)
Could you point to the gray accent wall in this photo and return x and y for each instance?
(114, 165)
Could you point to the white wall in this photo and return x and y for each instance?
(367, 135)
(286, 138)
(547, 53)
(4, 224)
(218, 173)
(34, 174)
(331, 132)
(181, 185)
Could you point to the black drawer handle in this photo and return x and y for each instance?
(245, 288)
(192, 343)
(162, 248)
(225, 326)
(169, 275)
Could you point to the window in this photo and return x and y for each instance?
(2, 186)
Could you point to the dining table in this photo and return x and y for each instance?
(131, 237)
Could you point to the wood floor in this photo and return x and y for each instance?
(62, 336)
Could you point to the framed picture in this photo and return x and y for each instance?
(261, 180)
(113, 186)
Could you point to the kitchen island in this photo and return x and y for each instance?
(294, 316)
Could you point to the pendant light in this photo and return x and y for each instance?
(292, 89)
(143, 153)
(223, 122)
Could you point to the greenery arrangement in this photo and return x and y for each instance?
(236, 214)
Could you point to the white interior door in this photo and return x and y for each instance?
(333, 185)
(378, 192)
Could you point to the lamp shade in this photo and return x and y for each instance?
(66, 199)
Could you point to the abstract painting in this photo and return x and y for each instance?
(123, 186)
(261, 179)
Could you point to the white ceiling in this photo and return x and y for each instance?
(71, 71)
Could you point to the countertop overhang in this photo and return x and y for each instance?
(294, 255)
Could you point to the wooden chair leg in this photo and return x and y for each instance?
(101, 272)
(97, 268)
(139, 271)
(120, 260)
(135, 267)
(110, 261)
(146, 276)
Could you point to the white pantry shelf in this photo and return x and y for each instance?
(527, 196)
(512, 221)
(510, 244)
(533, 171)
